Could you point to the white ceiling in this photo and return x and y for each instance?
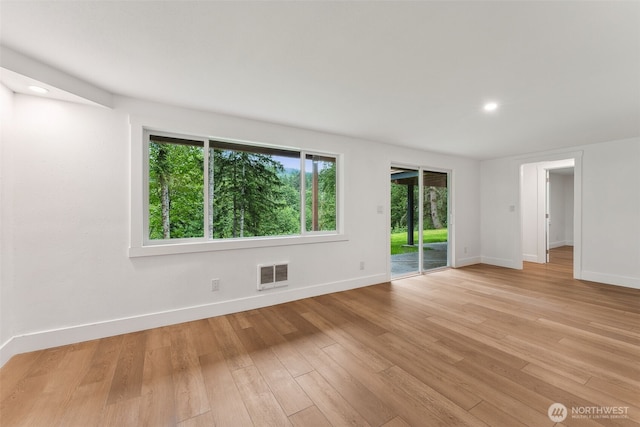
(406, 73)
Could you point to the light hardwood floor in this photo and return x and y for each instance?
(479, 346)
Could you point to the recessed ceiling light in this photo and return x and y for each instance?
(490, 106)
(38, 89)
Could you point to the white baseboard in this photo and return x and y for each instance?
(74, 334)
(530, 258)
(611, 279)
(501, 262)
(6, 351)
(560, 243)
(463, 262)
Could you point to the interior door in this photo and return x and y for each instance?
(547, 216)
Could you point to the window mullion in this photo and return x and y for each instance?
(145, 188)
(303, 194)
(205, 190)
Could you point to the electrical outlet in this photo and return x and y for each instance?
(215, 285)
(361, 265)
(465, 249)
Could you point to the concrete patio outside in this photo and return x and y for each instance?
(434, 256)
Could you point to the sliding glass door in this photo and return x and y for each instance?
(435, 222)
(419, 212)
(405, 220)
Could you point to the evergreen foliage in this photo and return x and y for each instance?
(251, 194)
(178, 170)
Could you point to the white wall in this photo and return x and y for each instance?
(568, 209)
(6, 283)
(499, 222)
(611, 219)
(69, 225)
(610, 211)
(556, 211)
(529, 208)
(561, 208)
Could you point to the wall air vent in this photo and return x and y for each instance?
(272, 276)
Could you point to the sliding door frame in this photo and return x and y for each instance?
(450, 216)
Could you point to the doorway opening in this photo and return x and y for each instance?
(548, 220)
(419, 214)
(559, 215)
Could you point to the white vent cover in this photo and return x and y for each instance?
(272, 276)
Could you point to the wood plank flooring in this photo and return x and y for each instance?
(477, 346)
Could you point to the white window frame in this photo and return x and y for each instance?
(141, 245)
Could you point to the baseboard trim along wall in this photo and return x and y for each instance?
(611, 279)
(463, 262)
(79, 333)
(501, 262)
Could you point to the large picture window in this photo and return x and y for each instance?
(211, 190)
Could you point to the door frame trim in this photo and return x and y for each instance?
(577, 203)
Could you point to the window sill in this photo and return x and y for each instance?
(231, 244)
